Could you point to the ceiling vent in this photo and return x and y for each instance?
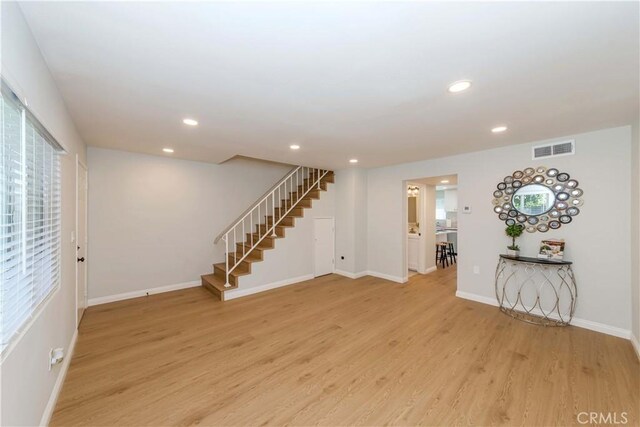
(564, 148)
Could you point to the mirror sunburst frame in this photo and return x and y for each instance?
(540, 199)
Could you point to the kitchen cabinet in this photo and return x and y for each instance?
(451, 200)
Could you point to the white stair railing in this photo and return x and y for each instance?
(294, 187)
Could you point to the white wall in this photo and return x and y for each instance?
(351, 221)
(153, 220)
(292, 259)
(635, 234)
(597, 240)
(27, 384)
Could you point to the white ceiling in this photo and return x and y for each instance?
(343, 80)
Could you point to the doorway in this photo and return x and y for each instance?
(82, 187)
(431, 225)
(323, 246)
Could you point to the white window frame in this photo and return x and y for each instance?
(44, 139)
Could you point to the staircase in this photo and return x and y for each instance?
(260, 226)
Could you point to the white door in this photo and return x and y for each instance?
(323, 246)
(81, 239)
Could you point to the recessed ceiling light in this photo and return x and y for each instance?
(190, 122)
(499, 129)
(294, 147)
(353, 161)
(459, 86)
(444, 181)
(168, 150)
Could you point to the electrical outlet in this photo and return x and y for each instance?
(476, 269)
(56, 356)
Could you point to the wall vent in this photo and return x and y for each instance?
(564, 148)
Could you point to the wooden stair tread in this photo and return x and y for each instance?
(268, 236)
(248, 246)
(277, 226)
(252, 256)
(245, 262)
(258, 251)
(287, 221)
(216, 282)
(240, 270)
(215, 285)
(296, 212)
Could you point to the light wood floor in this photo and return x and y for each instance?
(335, 351)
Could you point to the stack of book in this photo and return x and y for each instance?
(552, 250)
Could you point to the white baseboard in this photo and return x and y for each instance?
(143, 293)
(636, 345)
(378, 275)
(351, 275)
(387, 276)
(238, 293)
(57, 387)
(580, 323)
(601, 327)
(477, 298)
(430, 269)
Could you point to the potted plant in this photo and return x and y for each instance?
(513, 231)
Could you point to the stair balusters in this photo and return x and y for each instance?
(310, 176)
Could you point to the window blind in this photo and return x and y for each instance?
(30, 205)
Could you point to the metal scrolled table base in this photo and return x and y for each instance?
(536, 291)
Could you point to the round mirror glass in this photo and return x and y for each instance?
(533, 199)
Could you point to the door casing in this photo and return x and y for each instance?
(81, 240)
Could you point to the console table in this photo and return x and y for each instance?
(537, 291)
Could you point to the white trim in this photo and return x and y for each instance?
(387, 276)
(86, 231)
(237, 293)
(601, 327)
(378, 275)
(580, 323)
(422, 237)
(57, 387)
(477, 298)
(351, 275)
(143, 293)
(636, 345)
(430, 269)
(75, 244)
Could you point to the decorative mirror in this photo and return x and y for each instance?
(533, 199)
(540, 199)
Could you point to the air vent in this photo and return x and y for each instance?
(564, 148)
(544, 151)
